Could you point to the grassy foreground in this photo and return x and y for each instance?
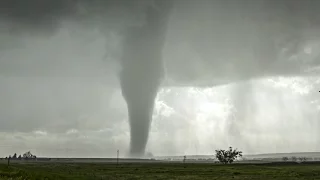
(86, 171)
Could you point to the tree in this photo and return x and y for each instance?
(14, 156)
(228, 156)
(285, 159)
(28, 155)
(294, 159)
(302, 159)
(19, 156)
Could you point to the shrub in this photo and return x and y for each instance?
(285, 159)
(228, 156)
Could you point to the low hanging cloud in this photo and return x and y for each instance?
(56, 104)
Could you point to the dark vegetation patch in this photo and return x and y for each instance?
(87, 171)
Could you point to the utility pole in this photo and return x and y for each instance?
(184, 161)
(9, 161)
(118, 157)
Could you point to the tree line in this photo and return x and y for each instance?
(27, 155)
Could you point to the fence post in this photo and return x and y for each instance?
(9, 161)
(118, 157)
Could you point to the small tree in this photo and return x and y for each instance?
(285, 159)
(294, 159)
(228, 156)
(302, 159)
(19, 156)
(14, 156)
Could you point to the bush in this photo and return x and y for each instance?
(285, 159)
(302, 159)
(228, 156)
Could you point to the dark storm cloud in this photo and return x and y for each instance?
(45, 16)
(35, 15)
(231, 37)
(233, 40)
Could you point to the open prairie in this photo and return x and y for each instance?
(156, 170)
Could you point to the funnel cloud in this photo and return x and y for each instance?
(142, 72)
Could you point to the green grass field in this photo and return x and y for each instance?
(86, 171)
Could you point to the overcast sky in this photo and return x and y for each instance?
(59, 117)
(60, 94)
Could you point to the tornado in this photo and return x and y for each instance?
(142, 72)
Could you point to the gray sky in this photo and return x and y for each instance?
(88, 119)
(60, 95)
